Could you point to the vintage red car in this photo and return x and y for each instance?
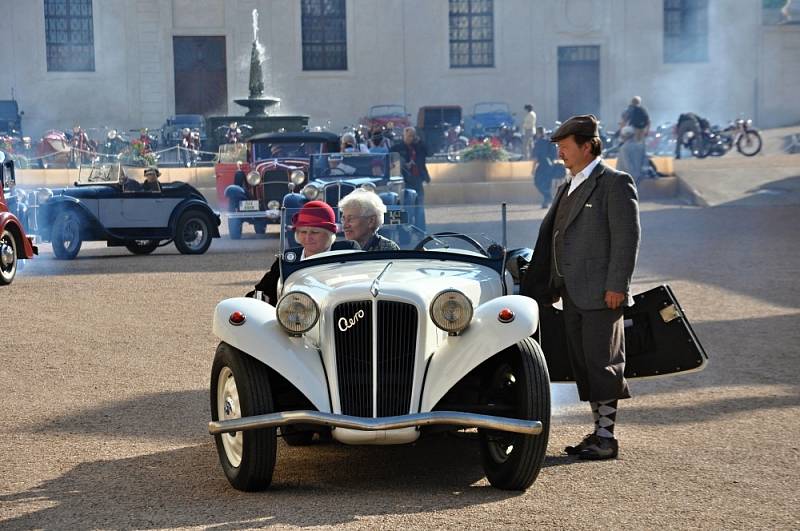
(392, 117)
(14, 244)
(272, 165)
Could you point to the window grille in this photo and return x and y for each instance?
(69, 35)
(324, 30)
(685, 31)
(471, 33)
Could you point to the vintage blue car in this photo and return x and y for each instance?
(106, 205)
(488, 118)
(334, 175)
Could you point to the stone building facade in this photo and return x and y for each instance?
(331, 59)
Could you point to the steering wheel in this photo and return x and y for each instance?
(457, 235)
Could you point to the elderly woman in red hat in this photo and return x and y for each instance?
(315, 231)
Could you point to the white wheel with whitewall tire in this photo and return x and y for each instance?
(8, 257)
(240, 388)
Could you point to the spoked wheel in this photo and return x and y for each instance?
(141, 246)
(8, 257)
(193, 233)
(240, 388)
(749, 144)
(512, 461)
(700, 146)
(66, 235)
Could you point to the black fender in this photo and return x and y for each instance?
(91, 227)
(199, 205)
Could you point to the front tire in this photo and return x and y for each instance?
(240, 388)
(512, 461)
(8, 258)
(141, 246)
(193, 233)
(66, 237)
(749, 144)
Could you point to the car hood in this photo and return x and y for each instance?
(414, 280)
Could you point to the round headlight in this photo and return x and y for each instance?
(43, 195)
(451, 311)
(298, 177)
(274, 204)
(297, 312)
(311, 192)
(369, 187)
(254, 178)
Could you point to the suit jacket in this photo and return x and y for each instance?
(269, 282)
(601, 242)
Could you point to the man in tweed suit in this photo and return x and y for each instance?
(585, 254)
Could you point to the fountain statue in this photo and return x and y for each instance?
(256, 103)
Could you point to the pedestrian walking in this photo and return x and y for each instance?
(545, 155)
(584, 255)
(632, 155)
(415, 171)
(528, 128)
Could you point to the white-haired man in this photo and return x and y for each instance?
(362, 215)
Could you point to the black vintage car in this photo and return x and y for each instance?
(106, 205)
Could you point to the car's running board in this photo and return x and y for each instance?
(453, 418)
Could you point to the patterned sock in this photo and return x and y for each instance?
(607, 411)
(595, 414)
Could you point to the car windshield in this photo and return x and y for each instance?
(108, 173)
(283, 149)
(480, 238)
(387, 110)
(491, 107)
(352, 165)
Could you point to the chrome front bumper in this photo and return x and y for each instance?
(270, 215)
(450, 418)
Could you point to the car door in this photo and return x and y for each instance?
(144, 209)
(658, 338)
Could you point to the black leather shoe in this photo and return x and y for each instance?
(600, 448)
(578, 448)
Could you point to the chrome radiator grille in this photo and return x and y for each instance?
(334, 192)
(392, 363)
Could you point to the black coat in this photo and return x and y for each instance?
(268, 284)
(413, 181)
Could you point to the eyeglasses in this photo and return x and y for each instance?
(348, 219)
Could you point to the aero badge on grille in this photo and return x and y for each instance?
(345, 324)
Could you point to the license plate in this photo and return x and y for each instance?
(249, 205)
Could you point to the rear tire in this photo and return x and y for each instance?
(749, 144)
(512, 461)
(141, 246)
(8, 258)
(235, 229)
(240, 388)
(66, 235)
(193, 233)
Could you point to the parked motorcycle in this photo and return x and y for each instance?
(510, 137)
(83, 148)
(716, 142)
(116, 146)
(455, 141)
(233, 133)
(20, 148)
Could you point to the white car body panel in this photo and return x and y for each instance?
(414, 281)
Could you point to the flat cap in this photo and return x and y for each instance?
(152, 170)
(584, 125)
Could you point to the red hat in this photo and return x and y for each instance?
(316, 214)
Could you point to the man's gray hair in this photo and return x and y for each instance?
(636, 101)
(413, 131)
(366, 202)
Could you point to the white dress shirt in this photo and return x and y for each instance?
(584, 174)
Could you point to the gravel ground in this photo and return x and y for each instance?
(105, 401)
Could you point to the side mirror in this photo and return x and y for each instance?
(517, 262)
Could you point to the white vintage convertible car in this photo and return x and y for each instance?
(384, 347)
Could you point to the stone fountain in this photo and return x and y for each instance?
(257, 104)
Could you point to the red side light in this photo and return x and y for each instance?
(505, 315)
(237, 318)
